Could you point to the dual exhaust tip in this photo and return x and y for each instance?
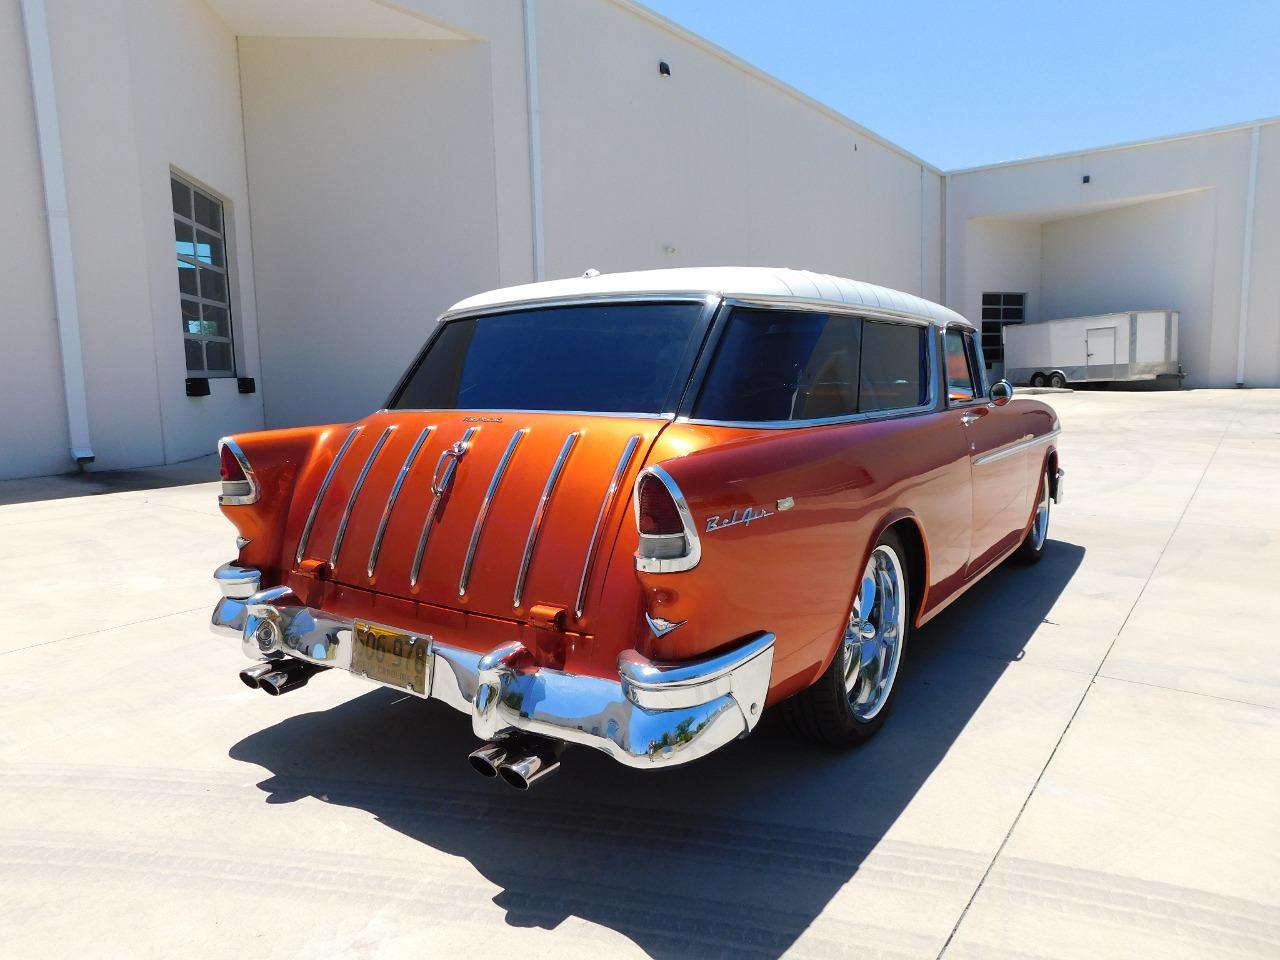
(278, 676)
(519, 762)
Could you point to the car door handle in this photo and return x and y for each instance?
(969, 418)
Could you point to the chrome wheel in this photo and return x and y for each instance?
(874, 637)
(1040, 525)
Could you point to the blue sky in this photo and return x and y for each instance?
(969, 82)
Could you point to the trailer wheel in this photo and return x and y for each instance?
(1038, 380)
(1057, 380)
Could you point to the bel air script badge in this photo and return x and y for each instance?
(740, 517)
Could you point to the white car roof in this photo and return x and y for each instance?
(780, 283)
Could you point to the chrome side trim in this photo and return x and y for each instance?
(483, 513)
(244, 499)
(355, 493)
(324, 488)
(439, 487)
(1016, 447)
(536, 526)
(692, 544)
(595, 533)
(391, 500)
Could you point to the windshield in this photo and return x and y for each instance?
(594, 358)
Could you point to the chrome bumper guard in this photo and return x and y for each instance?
(654, 714)
(1059, 486)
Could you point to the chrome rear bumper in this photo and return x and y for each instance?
(654, 714)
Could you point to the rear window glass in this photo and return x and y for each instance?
(614, 358)
(777, 365)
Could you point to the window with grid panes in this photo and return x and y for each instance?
(998, 311)
(203, 284)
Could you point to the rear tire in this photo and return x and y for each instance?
(848, 703)
(1057, 381)
(1032, 547)
(1038, 380)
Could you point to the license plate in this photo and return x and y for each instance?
(392, 657)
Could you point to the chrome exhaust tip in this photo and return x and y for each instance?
(523, 769)
(251, 677)
(486, 760)
(285, 675)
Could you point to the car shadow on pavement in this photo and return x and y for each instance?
(734, 855)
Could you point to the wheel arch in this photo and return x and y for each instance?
(910, 531)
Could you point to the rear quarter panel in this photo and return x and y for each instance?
(793, 572)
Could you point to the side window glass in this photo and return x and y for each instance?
(895, 363)
(960, 385)
(778, 365)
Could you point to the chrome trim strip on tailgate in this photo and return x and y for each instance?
(324, 488)
(355, 492)
(536, 526)
(483, 513)
(618, 471)
(391, 500)
(438, 490)
(1016, 447)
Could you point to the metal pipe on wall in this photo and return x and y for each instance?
(535, 135)
(1246, 266)
(62, 263)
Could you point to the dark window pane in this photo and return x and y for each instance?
(783, 365)
(195, 356)
(218, 353)
(191, 317)
(213, 285)
(959, 378)
(181, 198)
(990, 313)
(1014, 299)
(620, 358)
(183, 235)
(991, 299)
(187, 278)
(208, 212)
(215, 322)
(208, 249)
(893, 363)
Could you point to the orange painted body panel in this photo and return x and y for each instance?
(791, 572)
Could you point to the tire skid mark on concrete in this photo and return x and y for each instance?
(712, 927)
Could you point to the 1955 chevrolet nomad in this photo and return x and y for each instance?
(632, 511)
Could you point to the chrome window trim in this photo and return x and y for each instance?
(395, 494)
(255, 492)
(618, 471)
(979, 384)
(931, 378)
(483, 513)
(1018, 446)
(355, 493)
(436, 497)
(692, 543)
(324, 488)
(535, 528)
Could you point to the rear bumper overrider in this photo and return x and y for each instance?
(654, 714)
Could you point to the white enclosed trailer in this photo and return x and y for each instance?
(1138, 345)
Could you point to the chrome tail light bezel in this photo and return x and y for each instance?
(237, 493)
(647, 560)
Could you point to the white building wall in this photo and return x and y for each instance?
(372, 170)
(713, 165)
(33, 415)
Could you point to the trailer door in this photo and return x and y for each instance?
(1100, 353)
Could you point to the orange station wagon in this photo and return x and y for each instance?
(632, 511)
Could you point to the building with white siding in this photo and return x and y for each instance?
(226, 214)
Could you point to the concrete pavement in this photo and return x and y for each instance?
(1084, 760)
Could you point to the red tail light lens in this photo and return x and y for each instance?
(668, 542)
(239, 486)
(658, 514)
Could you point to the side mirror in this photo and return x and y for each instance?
(1001, 392)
